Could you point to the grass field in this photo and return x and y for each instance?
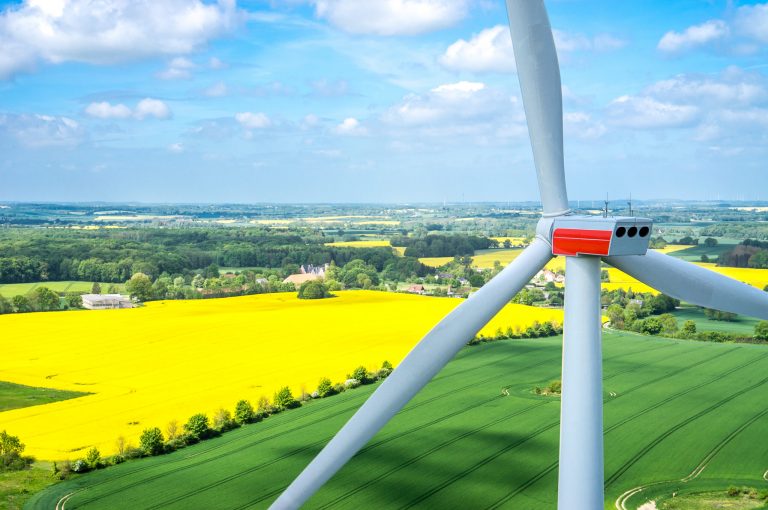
(360, 244)
(743, 325)
(13, 289)
(171, 359)
(17, 396)
(682, 409)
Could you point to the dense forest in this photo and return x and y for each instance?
(748, 253)
(30, 255)
(442, 245)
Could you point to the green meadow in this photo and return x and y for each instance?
(690, 414)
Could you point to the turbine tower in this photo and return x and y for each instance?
(585, 241)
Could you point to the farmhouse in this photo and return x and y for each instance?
(416, 289)
(105, 301)
(299, 278)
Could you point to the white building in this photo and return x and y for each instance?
(105, 301)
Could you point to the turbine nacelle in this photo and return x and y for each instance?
(572, 235)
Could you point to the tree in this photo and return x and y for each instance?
(93, 458)
(45, 299)
(325, 388)
(96, 288)
(222, 420)
(704, 258)
(11, 449)
(668, 324)
(284, 399)
(197, 281)
(212, 271)
(139, 286)
(151, 441)
(172, 430)
(198, 427)
(710, 242)
(360, 373)
(73, 300)
(5, 306)
(21, 304)
(718, 315)
(313, 289)
(689, 329)
(651, 326)
(761, 330)
(244, 412)
(616, 316)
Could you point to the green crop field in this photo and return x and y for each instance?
(690, 412)
(21, 289)
(694, 253)
(743, 325)
(15, 396)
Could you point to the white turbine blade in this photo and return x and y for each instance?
(539, 75)
(688, 282)
(425, 360)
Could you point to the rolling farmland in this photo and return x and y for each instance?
(681, 411)
(146, 366)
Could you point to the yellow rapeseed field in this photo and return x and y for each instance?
(171, 359)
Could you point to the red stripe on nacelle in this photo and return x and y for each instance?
(572, 241)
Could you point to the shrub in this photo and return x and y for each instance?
(761, 330)
(244, 412)
(222, 420)
(360, 373)
(313, 289)
(93, 458)
(80, 466)
(351, 383)
(198, 427)
(11, 449)
(263, 408)
(284, 399)
(325, 388)
(151, 441)
(172, 430)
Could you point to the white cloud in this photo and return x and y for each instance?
(176, 148)
(179, 68)
(152, 108)
(491, 49)
(253, 120)
(642, 112)
(218, 89)
(108, 31)
(581, 125)
(694, 36)
(41, 130)
(732, 87)
(104, 110)
(391, 17)
(145, 108)
(752, 21)
(488, 51)
(351, 126)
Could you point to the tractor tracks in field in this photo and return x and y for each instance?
(551, 467)
(355, 403)
(622, 500)
(658, 439)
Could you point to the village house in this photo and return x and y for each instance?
(416, 288)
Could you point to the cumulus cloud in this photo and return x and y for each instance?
(742, 31)
(642, 112)
(179, 68)
(108, 31)
(491, 49)
(351, 127)
(694, 36)
(176, 148)
(582, 125)
(41, 130)
(488, 51)
(146, 108)
(391, 17)
(752, 21)
(734, 98)
(253, 120)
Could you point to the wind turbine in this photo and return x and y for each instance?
(622, 242)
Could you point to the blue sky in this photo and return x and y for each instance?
(373, 101)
